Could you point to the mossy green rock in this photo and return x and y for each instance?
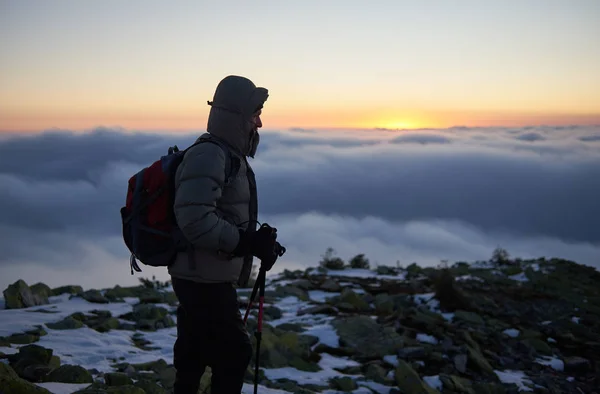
(22, 339)
(117, 379)
(147, 312)
(68, 323)
(154, 366)
(19, 295)
(94, 296)
(345, 384)
(354, 299)
(41, 290)
(384, 304)
(150, 387)
(366, 337)
(285, 348)
(540, 346)
(35, 353)
(408, 381)
(376, 373)
(10, 385)
(7, 371)
(457, 384)
(70, 374)
(205, 381)
(468, 317)
(289, 290)
(478, 362)
(69, 289)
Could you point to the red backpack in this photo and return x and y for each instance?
(150, 230)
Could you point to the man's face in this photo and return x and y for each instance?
(256, 122)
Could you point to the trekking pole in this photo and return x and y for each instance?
(252, 296)
(261, 297)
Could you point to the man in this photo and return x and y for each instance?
(216, 209)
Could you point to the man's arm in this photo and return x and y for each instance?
(199, 186)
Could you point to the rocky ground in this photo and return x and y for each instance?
(503, 327)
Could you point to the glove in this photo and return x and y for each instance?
(260, 244)
(268, 262)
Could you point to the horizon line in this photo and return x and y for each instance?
(297, 129)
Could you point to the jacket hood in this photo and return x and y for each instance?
(235, 100)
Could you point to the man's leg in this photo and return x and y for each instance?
(191, 347)
(234, 348)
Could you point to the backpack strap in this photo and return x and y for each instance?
(232, 165)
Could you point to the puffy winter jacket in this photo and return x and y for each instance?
(208, 210)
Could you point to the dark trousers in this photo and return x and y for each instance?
(210, 332)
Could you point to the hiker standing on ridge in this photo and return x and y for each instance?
(216, 209)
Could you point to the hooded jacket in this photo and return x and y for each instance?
(208, 211)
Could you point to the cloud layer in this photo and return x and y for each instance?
(418, 195)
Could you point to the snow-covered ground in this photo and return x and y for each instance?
(91, 349)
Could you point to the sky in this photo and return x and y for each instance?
(152, 65)
(407, 131)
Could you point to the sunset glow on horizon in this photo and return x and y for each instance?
(392, 64)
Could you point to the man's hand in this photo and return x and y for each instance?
(261, 244)
(268, 263)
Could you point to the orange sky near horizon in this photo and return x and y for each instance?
(283, 120)
(400, 64)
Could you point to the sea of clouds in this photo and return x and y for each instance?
(395, 195)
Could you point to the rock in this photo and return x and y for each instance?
(150, 387)
(460, 362)
(97, 388)
(457, 384)
(70, 374)
(376, 373)
(384, 304)
(285, 348)
(22, 339)
(156, 366)
(470, 318)
(167, 377)
(350, 297)
(271, 312)
(345, 384)
(94, 296)
(149, 317)
(320, 309)
(68, 323)
(478, 362)
(540, 346)
(575, 364)
(117, 379)
(70, 289)
(41, 290)
(294, 327)
(412, 352)
(11, 384)
(331, 286)
(33, 362)
(205, 381)
(7, 372)
(18, 295)
(303, 284)
(408, 381)
(289, 290)
(103, 324)
(366, 337)
(151, 296)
